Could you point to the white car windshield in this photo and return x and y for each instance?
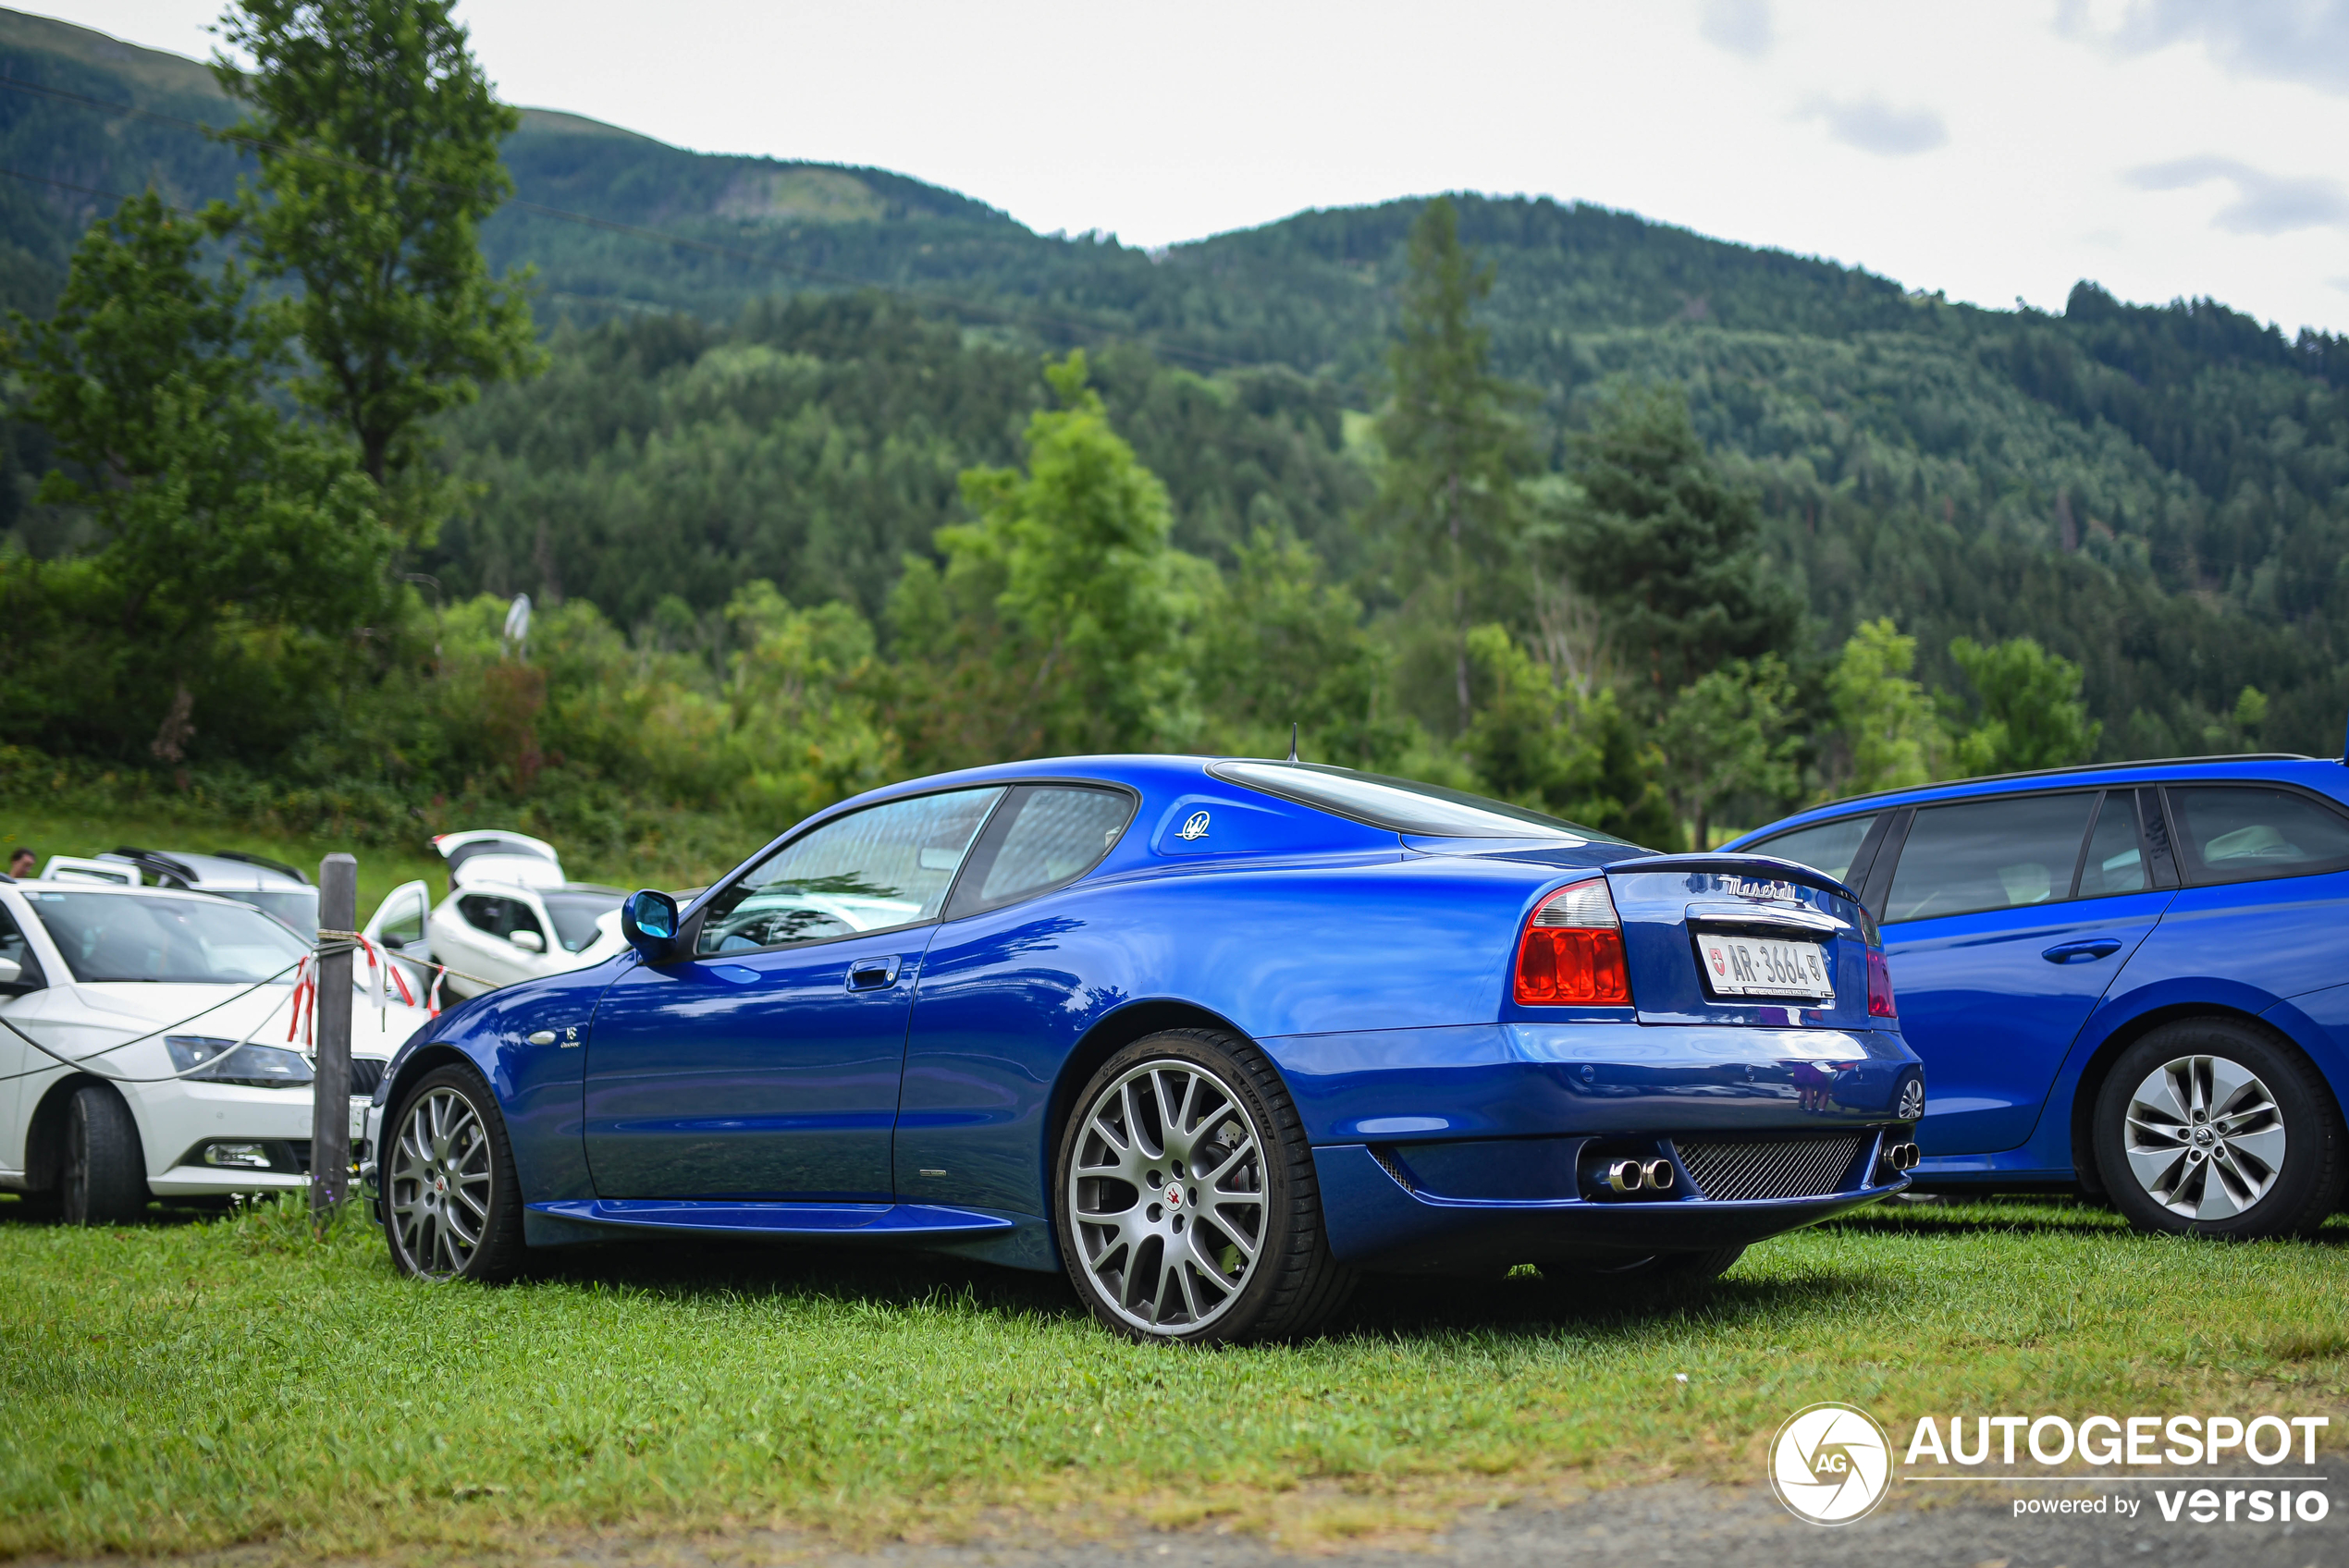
(178, 941)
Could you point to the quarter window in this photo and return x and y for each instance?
(873, 870)
(2235, 833)
(2115, 862)
(2004, 854)
(1054, 835)
(1828, 847)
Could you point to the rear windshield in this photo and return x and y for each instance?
(1403, 805)
(180, 941)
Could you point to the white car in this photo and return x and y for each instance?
(510, 915)
(170, 1011)
(270, 885)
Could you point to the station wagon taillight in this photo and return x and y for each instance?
(1571, 954)
(1880, 1004)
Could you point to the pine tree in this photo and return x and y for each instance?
(1456, 446)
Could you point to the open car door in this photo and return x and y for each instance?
(399, 927)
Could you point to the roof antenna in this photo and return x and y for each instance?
(1292, 743)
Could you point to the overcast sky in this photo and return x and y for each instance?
(1995, 148)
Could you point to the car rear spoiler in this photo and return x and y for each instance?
(1743, 866)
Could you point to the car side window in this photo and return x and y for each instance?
(2005, 853)
(14, 946)
(2115, 862)
(1827, 846)
(873, 870)
(497, 916)
(2242, 833)
(1049, 836)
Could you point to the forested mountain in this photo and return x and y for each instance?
(2160, 494)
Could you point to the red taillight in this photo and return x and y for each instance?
(1880, 1004)
(1571, 954)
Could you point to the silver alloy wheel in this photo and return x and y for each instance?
(438, 1187)
(2205, 1137)
(1166, 1196)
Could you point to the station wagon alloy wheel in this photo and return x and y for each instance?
(2219, 1127)
(449, 1205)
(1166, 1196)
(2205, 1138)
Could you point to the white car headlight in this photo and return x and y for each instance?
(225, 1062)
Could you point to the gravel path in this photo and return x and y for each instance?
(1670, 1523)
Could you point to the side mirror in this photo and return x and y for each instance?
(528, 941)
(10, 971)
(649, 920)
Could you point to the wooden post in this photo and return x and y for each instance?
(330, 1105)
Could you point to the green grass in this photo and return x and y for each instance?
(182, 1386)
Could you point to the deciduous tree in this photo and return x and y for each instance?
(379, 138)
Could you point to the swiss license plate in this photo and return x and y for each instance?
(1764, 966)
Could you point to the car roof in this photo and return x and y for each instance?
(2326, 774)
(213, 870)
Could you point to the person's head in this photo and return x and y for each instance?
(20, 862)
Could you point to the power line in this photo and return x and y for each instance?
(1015, 315)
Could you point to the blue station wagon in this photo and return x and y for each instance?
(1216, 1038)
(2131, 981)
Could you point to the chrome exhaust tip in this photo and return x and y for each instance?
(1658, 1175)
(1909, 1156)
(1900, 1157)
(1624, 1176)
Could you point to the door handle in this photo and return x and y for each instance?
(873, 974)
(2083, 952)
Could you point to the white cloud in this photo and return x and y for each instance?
(1742, 27)
(1874, 126)
(2264, 203)
(2300, 41)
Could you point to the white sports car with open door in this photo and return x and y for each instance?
(510, 915)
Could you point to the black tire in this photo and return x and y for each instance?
(451, 1204)
(101, 1179)
(2155, 1194)
(1288, 1287)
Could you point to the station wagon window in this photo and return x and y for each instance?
(872, 870)
(1049, 837)
(2115, 862)
(2006, 853)
(2235, 833)
(1827, 846)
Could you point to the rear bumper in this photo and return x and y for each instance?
(1376, 1221)
(1542, 1079)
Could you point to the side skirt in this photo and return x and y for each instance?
(1015, 1241)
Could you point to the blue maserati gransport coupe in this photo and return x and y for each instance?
(1216, 1038)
